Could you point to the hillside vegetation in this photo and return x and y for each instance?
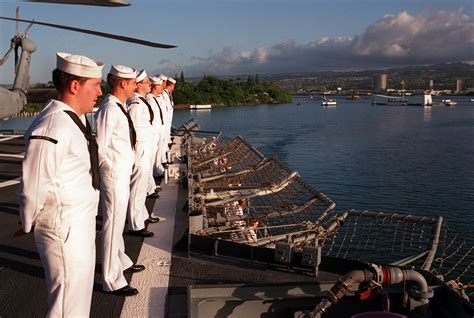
(211, 90)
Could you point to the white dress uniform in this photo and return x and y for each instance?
(168, 118)
(142, 120)
(116, 158)
(57, 198)
(169, 113)
(158, 125)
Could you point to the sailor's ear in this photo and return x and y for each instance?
(123, 83)
(74, 87)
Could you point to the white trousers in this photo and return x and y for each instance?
(114, 194)
(137, 212)
(67, 253)
(160, 155)
(151, 181)
(164, 148)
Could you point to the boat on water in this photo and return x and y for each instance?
(416, 100)
(353, 97)
(328, 102)
(197, 107)
(448, 102)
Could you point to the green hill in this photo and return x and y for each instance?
(211, 90)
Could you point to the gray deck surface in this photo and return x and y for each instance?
(22, 283)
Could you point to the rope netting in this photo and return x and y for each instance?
(404, 240)
(219, 157)
(455, 260)
(248, 198)
(237, 186)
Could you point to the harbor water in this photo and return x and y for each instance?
(411, 160)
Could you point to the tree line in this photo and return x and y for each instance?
(211, 90)
(231, 92)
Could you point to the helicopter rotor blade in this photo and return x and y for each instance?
(97, 33)
(16, 58)
(27, 29)
(16, 23)
(5, 57)
(103, 3)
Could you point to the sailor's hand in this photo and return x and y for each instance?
(19, 233)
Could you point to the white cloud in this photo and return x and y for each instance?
(433, 36)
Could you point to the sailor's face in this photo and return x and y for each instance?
(88, 93)
(130, 87)
(145, 86)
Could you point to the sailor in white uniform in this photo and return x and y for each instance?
(163, 141)
(116, 138)
(168, 96)
(142, 115)
(59, 186)
(154, 98)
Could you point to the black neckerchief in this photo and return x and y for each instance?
(91, 145)
(150, 110)
(161, 112)
(131, 129)
(171, 98)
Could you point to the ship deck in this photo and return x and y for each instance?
(184, 276)
(163, 286)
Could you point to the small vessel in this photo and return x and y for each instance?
(208, 106)
(417, 100)
(448, 102)
(353, 97)
(328, 102)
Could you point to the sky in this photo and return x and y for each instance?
(231, 37)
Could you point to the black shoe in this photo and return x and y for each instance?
(154, 195)
(153, 219)
(141, 233)
(124, 291)
(135, 268)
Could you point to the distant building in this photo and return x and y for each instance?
(431, 85)
(380, 82)
(459, 86)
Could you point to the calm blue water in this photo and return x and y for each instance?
(398, 159)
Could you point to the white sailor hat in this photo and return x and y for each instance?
(122, 71)
(156, 80)
(141, 75)
(163, 78)
(171, 80)
(79, 65)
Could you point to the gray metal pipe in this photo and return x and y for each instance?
(385, 275)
